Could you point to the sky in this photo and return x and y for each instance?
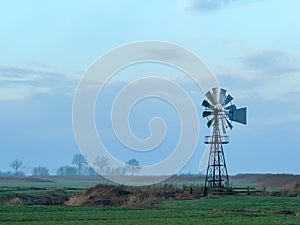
(252, 46)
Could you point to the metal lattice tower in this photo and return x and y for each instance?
(220, 117)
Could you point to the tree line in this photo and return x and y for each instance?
(79, 168)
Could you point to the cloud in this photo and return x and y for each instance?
(21, 92)
(212, 5)
(237, 74)
(20, 83)
(272, 62)
(279, 119)
(283, 88)
(279, 77)
(269, 75)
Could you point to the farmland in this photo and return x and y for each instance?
(42, 201)
(224, 210)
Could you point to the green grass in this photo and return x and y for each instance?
(231, 210)
(35, 189)
(54, 184)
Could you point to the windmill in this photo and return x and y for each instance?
(220, 113)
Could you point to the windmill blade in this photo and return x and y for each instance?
(210, 122)
(230, 115)
(222, 96)
(231, 107)
(206, 113)
(229, 124)
(207, 104)
(238, 115)
(204, 159)
(228, 99)
(216, 92)
(210, 98)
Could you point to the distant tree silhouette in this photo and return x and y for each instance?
(121, 170)
(89, 171)
(101, 164)
(133, 166)
(66, 171)
(16, 165)
(79, 162)
(40, 171)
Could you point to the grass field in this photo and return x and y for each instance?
(233, 210)
(41, 202)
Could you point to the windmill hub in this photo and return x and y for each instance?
(220, 113)
(218, 110)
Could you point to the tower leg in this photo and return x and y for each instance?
(216, 180)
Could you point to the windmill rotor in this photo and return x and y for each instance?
(218, 104)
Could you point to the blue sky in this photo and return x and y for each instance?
(252, 46)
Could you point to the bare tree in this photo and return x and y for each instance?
(119, 171)
(66, 171)
(40, 171)
(16, 165)
(79, 162)
(89, 171)
(101, 164)
(133, 166)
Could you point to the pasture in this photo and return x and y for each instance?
(42, 201)
(233, 210)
